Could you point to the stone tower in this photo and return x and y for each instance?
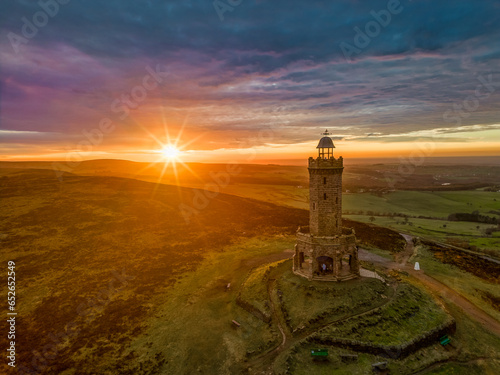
(325, 190)
(325, 250)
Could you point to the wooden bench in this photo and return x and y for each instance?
(445, 340)
(320, 354)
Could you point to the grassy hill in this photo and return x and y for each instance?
(123, 275)
(92, 253)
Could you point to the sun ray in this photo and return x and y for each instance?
(169, 152)
(157, 185)
(181, 130)
(174, 165)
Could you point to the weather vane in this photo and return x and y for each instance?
(326, 132)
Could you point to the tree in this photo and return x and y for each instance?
(372, 219)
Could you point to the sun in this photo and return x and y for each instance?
(170, 152)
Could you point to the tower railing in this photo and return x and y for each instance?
(348, 235)
(326, 163)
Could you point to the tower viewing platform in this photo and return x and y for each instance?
(331, 162)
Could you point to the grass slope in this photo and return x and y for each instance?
(253, 292)
(307, 303)
(92, 253)
(191, 324)
(410, 314)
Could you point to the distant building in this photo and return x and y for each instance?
(325, 250)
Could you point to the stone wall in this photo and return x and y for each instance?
(390, 351)
(253, 310)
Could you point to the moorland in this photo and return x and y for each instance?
(123, 270)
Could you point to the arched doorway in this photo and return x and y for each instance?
(345, 264)
(325, 265)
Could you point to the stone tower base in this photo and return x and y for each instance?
(326, 258)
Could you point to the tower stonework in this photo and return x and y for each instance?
(325, 196)
(325, 250)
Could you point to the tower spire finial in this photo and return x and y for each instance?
(326, 132)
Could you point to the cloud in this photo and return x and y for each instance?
(21, 134)
(232, 75)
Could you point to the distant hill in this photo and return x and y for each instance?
(357, 177)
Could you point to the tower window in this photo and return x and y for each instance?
(314, 206)
(337, 200)
(324, 196)
(324, 180)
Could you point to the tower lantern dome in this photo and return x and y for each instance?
(325, 146)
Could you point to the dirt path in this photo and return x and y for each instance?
(439, 289)
(270, 288)
(254, 262)
(435, 286)
(403, 257)
(262, 364)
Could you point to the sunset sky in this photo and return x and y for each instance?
(254, 81)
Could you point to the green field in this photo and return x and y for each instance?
(455, 232)
(437, 204)
(434, 206)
